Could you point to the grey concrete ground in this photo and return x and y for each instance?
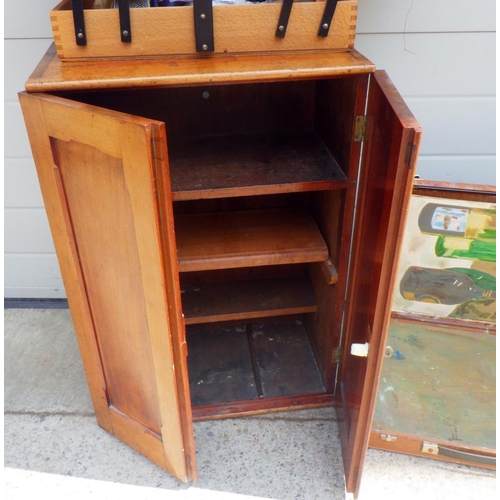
(54, 448)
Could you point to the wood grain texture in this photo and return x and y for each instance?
(171, 273)
(247, 238)
(100, 211)
(339, 102)
(217, 110)
(194, 71)
(247, 299)
(99, 182)
(237, 29)
(455, 190)
(243, 165)
(327, 207)
(262, 406)
(389, 158)
(139, 175)
(138, 437)
(67, 253)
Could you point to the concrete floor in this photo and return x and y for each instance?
(54, 448)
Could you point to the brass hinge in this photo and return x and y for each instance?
(431, 448)
(360, 129)
(388, 438)
(336, 355)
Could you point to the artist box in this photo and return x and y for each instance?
(83, 32)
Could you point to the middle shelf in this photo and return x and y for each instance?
(247, 238)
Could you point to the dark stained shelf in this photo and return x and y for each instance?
(247, 299)
(240, 165)
(251, 362)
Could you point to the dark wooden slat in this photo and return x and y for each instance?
(455, 190)
(473, 326)
(255, 364)
(285, 359)
(220, 366)
(248, 238)
(262, 406)
(239, 165)
(247, 299)
(221, 370)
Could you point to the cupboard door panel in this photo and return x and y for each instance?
(387, 168)
(97, 170)
(103, 227)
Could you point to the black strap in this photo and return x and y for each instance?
(79, 22)
(470, 457)
(326, 20)
(124, 12)
(286, 9)
(203, 25)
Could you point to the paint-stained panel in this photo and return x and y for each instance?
(439, 383)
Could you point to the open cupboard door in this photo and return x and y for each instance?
(105, 184)
(391, 143)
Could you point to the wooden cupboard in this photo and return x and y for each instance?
(227, 230)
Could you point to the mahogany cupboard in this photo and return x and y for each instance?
(227, 230)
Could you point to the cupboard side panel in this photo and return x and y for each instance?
(338, 102)
(328, 208)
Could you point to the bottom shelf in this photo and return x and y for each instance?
(263, 406)
(251, 362)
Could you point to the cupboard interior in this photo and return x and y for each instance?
(259, 177)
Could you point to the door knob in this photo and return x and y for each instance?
(360, 349)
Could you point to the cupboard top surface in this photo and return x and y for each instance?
(53, 75)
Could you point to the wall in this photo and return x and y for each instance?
(439, 53)
(30, 264)
(441, 56)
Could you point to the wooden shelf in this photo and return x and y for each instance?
(247, 299)
(239, 165)
(251, 362)
(248, 238)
